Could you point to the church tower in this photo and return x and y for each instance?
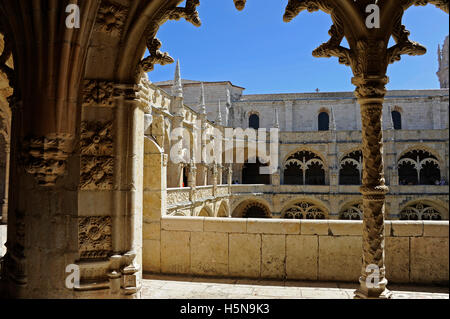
(443, 65)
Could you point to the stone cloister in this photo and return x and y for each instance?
(91, 178)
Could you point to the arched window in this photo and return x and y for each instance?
(253, 121)
(251, 174)
(397, 120)
(419, 167)
(324, 121)
(350, 172)
(304, 168)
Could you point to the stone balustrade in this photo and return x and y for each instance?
(416, 252)
(178, 196)
(204, 192)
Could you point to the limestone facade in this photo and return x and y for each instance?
(424, 129)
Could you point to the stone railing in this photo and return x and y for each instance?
(355, 135)
(416, 252)
(177, 196)
(203, 192)
(418, 189)
(223, 190)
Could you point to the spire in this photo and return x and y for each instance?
(276, 123)
(333, 121)
(202, 101)
(177, 89)
(219, 115)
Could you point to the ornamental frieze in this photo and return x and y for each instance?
(97, 156)
(98, 93)
(111, 18)
(94, 237)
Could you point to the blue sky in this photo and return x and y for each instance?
(257, 50)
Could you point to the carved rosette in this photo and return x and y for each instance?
(46, 158)
(97, 156)
(111, 18)
(98, 93)
(94, 237)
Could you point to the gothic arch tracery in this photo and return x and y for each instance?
(352, 211)
(420, 211)
(351, 166)
(305, 210)
(418, 167)
(304, 168)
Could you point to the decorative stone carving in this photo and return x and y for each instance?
(97, 156)
(305, 210)
(403, 44)
(189, 12)
(98, 93)
(96, 139)
(354, 212)
(420, 211)
(110, 18)
(294, 7)
(46, 158)
(156, 56)
(441, 4)
(94, 237)
(97, 173)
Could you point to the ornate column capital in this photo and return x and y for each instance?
(370, 89)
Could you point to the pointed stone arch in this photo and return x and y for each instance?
(223, 210)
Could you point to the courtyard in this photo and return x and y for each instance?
(178, 287)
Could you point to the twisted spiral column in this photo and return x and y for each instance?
(373, 282)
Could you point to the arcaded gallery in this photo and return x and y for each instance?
(113, 183)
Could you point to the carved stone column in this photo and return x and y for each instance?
(370, 93)
(230, 174)
(215, 177)
(192, 179)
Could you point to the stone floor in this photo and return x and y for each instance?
(168, 287)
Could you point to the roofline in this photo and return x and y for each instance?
(199, 82)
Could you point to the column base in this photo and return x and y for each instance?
(363, 292)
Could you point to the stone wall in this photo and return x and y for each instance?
(416, 252)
